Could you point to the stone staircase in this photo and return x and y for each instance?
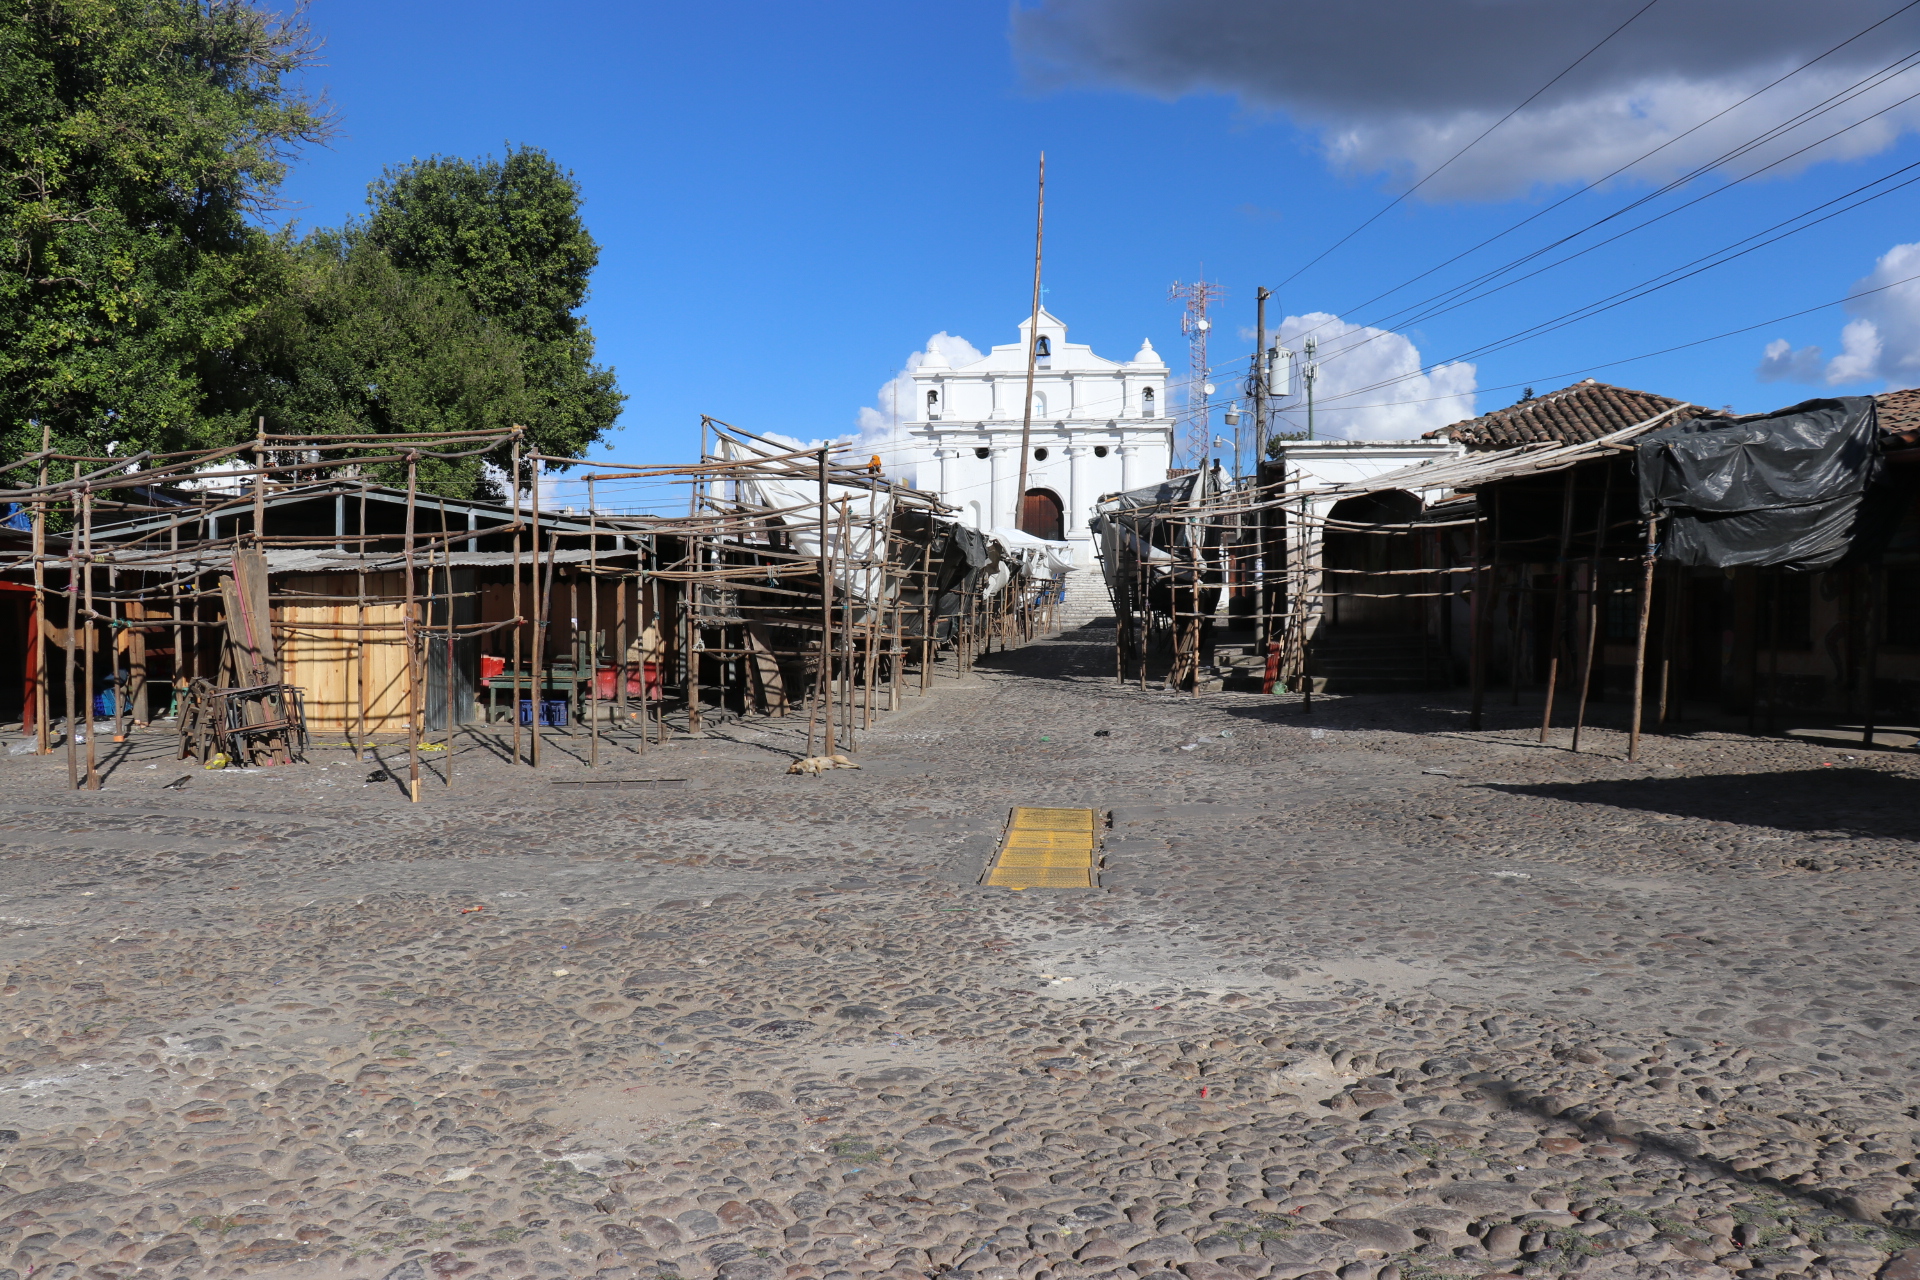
(1085, 601)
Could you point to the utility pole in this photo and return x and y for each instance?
(1033, 350)
(1261, 372)
(1311, 373)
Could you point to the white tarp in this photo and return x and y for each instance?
(857, 555)
(1043, 558)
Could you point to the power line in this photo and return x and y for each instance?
(1399, 199)
(1524, 334)
(1647, 155)
(1646, 355)
(1853, 91)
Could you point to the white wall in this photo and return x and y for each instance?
(1093, 419)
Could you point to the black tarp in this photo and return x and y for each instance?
(1787, 489)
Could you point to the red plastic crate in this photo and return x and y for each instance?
(607, 677)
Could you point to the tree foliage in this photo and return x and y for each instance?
(358, 346)
(453, 307)
(136, 137)
(508, 234)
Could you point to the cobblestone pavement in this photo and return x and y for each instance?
(1361, 994)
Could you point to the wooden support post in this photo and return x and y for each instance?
(364, 659)
(1773, 650)
(1479, 624)
(259, 490)
(519, 613)
(620, 712)
(115, 628)
(173, 610)
(1670, 705)
(453, 709)
(593, 631)
(73, 629)
(540, 612)
(1593, 604)
(409, 615)
(41, 730)
(1870, 669)
(1554, 641)
(826, 616)
(86, 596)
(1649, 558)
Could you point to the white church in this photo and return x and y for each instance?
(1099, 426)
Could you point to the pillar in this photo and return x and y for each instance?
(1073, 523)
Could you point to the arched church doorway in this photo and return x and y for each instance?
(1043, 516)
(1353, 557)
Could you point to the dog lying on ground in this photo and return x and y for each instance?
(818, 765)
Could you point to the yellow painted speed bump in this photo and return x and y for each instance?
(1045, 849)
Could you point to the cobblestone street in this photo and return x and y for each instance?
(1361, 995)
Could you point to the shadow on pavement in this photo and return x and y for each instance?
(1858, 801)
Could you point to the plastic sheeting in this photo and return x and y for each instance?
(1042, 556)
(856, 557)
(1784, 489)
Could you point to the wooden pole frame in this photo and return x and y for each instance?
(411, 621)
(1593, 604)
(1556, 641)
(519, 612)
(1649, 559)
(1480, 626)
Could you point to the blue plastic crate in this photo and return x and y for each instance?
(553, 712)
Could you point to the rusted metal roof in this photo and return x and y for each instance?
(1577, 414)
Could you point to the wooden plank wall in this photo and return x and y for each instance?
(322, 651)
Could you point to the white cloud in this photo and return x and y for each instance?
(878, 427)
(1784, 363)
(1371, 385)
(1882, 340)
(1399, 86)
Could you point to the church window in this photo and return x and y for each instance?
(933, 406)
(982, 452)
(1040, 454)
(1099, 451)
(1146, 403)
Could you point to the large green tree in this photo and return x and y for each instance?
(136, 139)
(455, 306)
(356, 345)
(509, 235)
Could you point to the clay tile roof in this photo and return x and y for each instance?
(1899, 410)
(1572, 415)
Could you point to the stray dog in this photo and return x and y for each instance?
(818, 765)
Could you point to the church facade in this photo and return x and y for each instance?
(1099, 426)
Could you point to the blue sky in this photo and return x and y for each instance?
(791, 199)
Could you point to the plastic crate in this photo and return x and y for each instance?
(553, 712)
(607, 681)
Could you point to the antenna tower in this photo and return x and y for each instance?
(1195, 324)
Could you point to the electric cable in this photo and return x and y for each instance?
(1397, 200)
(1594, 185)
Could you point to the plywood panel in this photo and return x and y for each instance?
(324, 652)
